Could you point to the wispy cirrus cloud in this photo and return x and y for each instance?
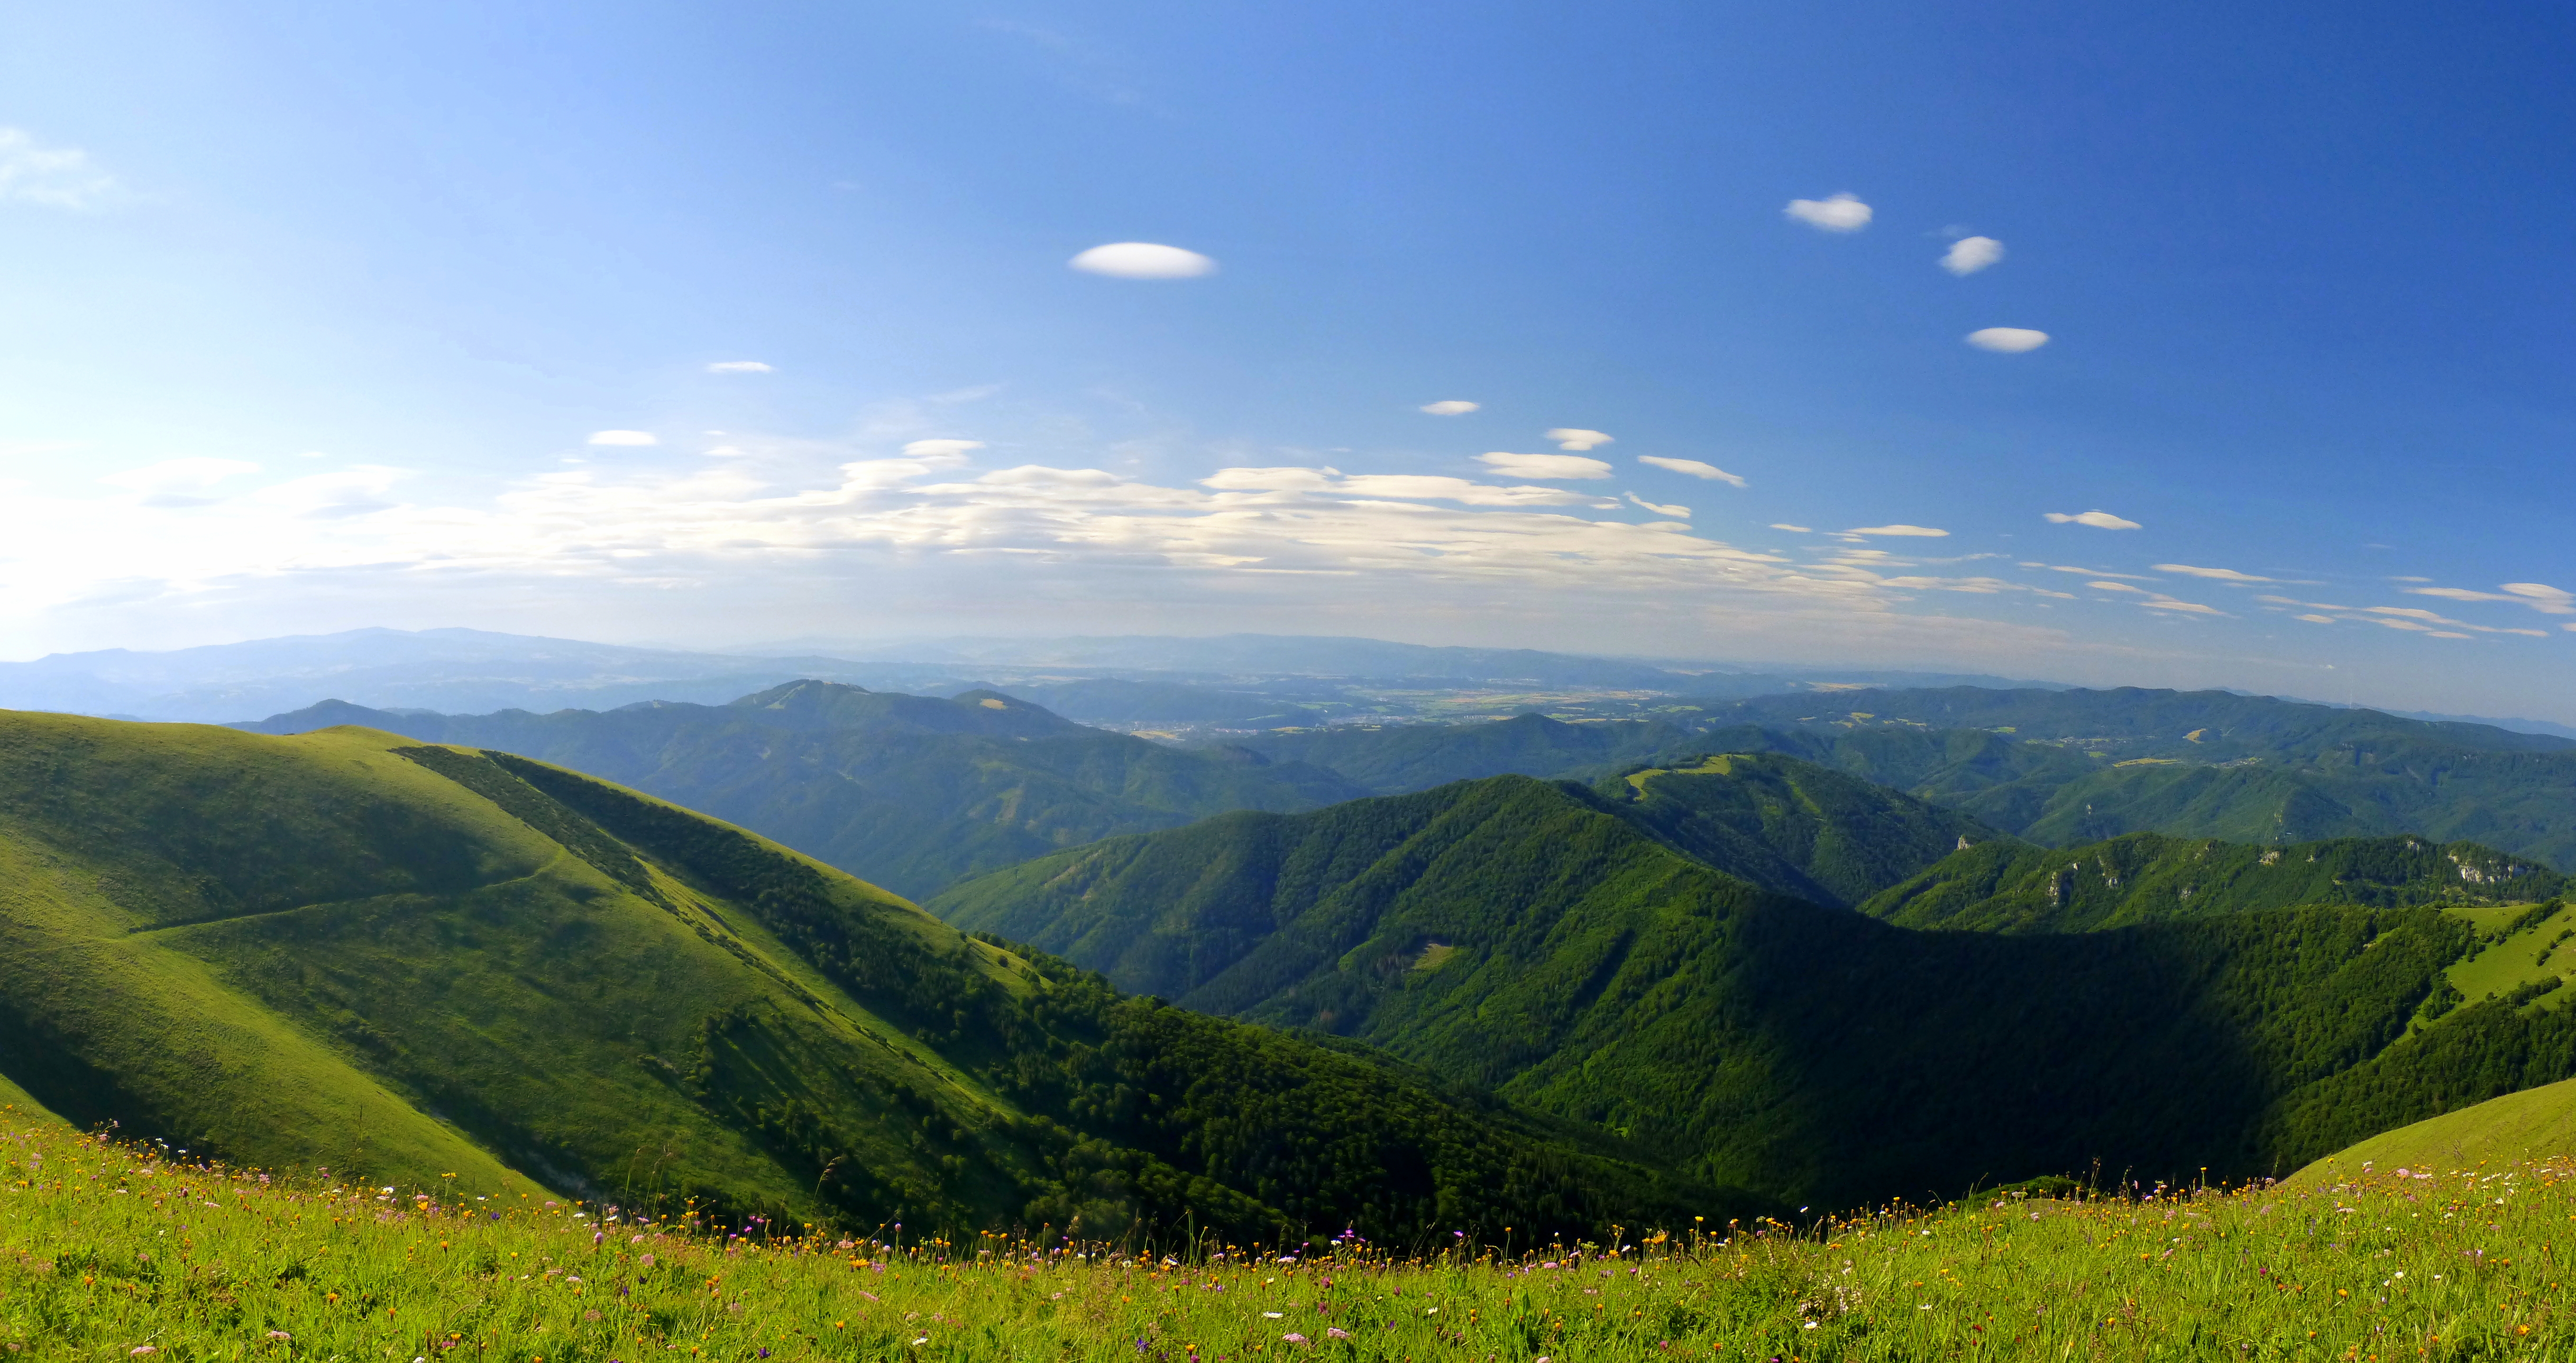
(1692, 467)
(2099, 520)
(49, 177)
(2411, 619)
(1543, 465)
(2213, 574)
(2155, 600)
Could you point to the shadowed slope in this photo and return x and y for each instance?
(1529, 936)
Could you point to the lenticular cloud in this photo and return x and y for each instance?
(1143, 260)
(2008, 340)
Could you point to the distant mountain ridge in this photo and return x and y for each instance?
(2148, 877)
(2054, 767)
(911, 792)
(1532, 936)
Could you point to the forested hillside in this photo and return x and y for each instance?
(1525, 935)
(1395, 759)
(404, 961)
(2211, 764)
(1792, 826)
(2133, 721)
(911, 792)
(2145, 877)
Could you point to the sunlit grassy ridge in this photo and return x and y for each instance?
(118, 1252)
(345, 950)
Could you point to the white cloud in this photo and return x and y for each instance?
(2213, 574)
(358, 491)
(2099, 520)
(1793, 529)
(941, 450)
(1451, 407)
(1543, 465)
(1040, 475)
(2007, 340)
(1271, 480)
(1576, 438)
(1693, 467)
(1412, 486)
(623, 438)
(1908, 531)
(49, 177)
(1968, 255)
(180, 475)
(1681, 512)
(2457, 594)
(2411, 618)
(1143, 260)
(739, 367)
(2155, 600)
(2543, 597)
(1840, 213)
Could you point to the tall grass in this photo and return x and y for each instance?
(118, 1252)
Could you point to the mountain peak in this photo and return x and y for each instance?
(806, 693)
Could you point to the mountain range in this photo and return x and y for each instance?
(1814, 951)
(355, 951)
(910, 791)
(2061, 767)
(1553, 942)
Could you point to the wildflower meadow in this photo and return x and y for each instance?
(120, 1251)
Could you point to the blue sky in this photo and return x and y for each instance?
(315, 312)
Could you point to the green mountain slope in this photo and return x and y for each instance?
(1170, 913)
(2534, 1124)
(1792, 826)
(1395, 759)
(1526, 936)
(912, 792)
(2143, 877)
(354, 950)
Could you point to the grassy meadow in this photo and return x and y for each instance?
(112, 1251)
